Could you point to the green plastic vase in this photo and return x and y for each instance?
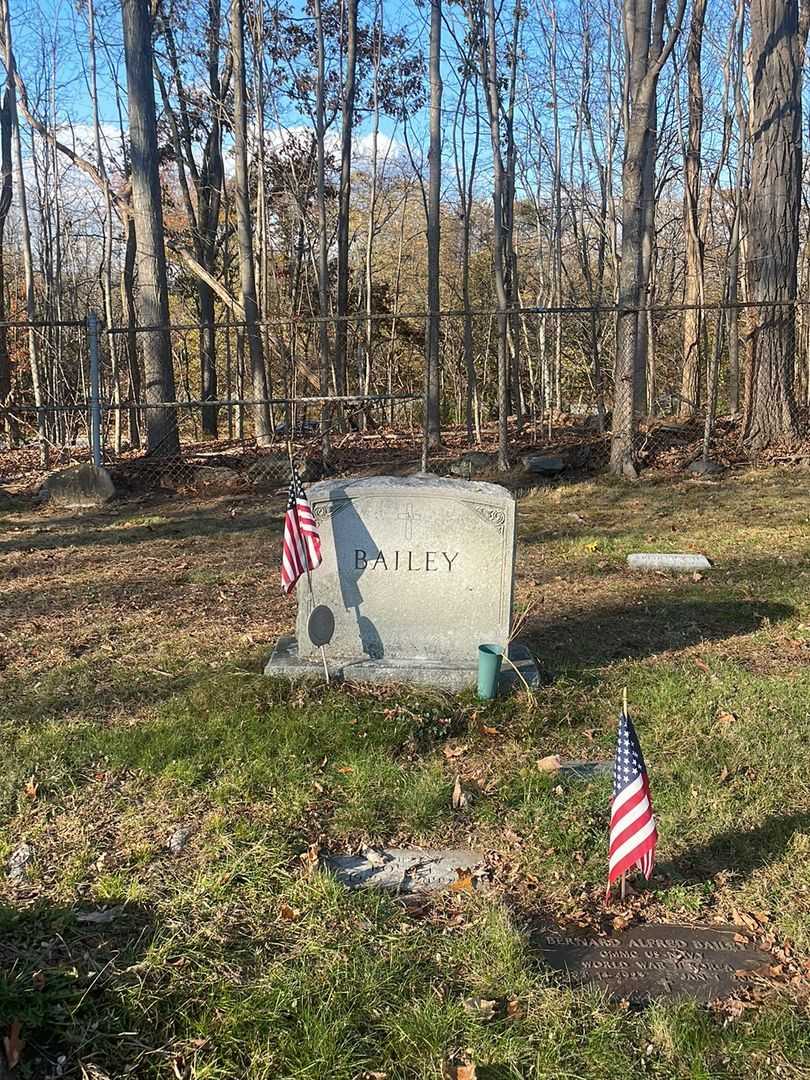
(490, 658)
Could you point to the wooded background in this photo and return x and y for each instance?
(526, 208)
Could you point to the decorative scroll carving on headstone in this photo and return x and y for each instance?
(491, 515)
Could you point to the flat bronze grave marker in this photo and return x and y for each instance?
(647, 963)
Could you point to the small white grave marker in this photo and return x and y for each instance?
(664, 561)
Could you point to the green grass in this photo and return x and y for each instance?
(231, 959)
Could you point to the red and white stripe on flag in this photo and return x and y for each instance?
(633, 835)
(301, 550)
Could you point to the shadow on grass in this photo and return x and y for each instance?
(65, 979)
(114, 531)
(737, 851)
(606, 635)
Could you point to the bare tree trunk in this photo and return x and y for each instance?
(389, 363)
(773, 224)
(368, 336)
(244, 230)
(209, 204)
(153, 294)
(693, 298)
(432, 378)
(646, 56)
(128, 305)
(735, 238)
(323, 239)
(465, 178)
(556, 215)
(344, 199)
(106, 263)
(5, 206)
(25, 230)
(488, 53)
(510, 252)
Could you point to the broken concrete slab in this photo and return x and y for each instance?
(80, 487)
(664, 561)
(403, 870)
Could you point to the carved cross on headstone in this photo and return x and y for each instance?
(406, 517)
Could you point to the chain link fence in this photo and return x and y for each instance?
(194, 406)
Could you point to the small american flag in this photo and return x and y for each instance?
(632, 825)
(302, 542)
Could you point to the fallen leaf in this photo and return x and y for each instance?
(31, 788)
(724, 716)
(740, 918)
(697, 577)
(724, 775)
(13, 1045)
(481, 1008)
(286, 911)
(514, 1010)
(489, 730)
(703, 666)
(549, 764)
(458, 799)
(453, 1071)
(309, 859)
(38, 980)
(463, 882)
(345, 769)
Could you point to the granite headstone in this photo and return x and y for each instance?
(418, 572)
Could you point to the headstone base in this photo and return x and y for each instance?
(419, 671)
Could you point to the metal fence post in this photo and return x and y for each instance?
(95, 389)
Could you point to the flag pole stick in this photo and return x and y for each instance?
(309, 579)
(624, 711)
